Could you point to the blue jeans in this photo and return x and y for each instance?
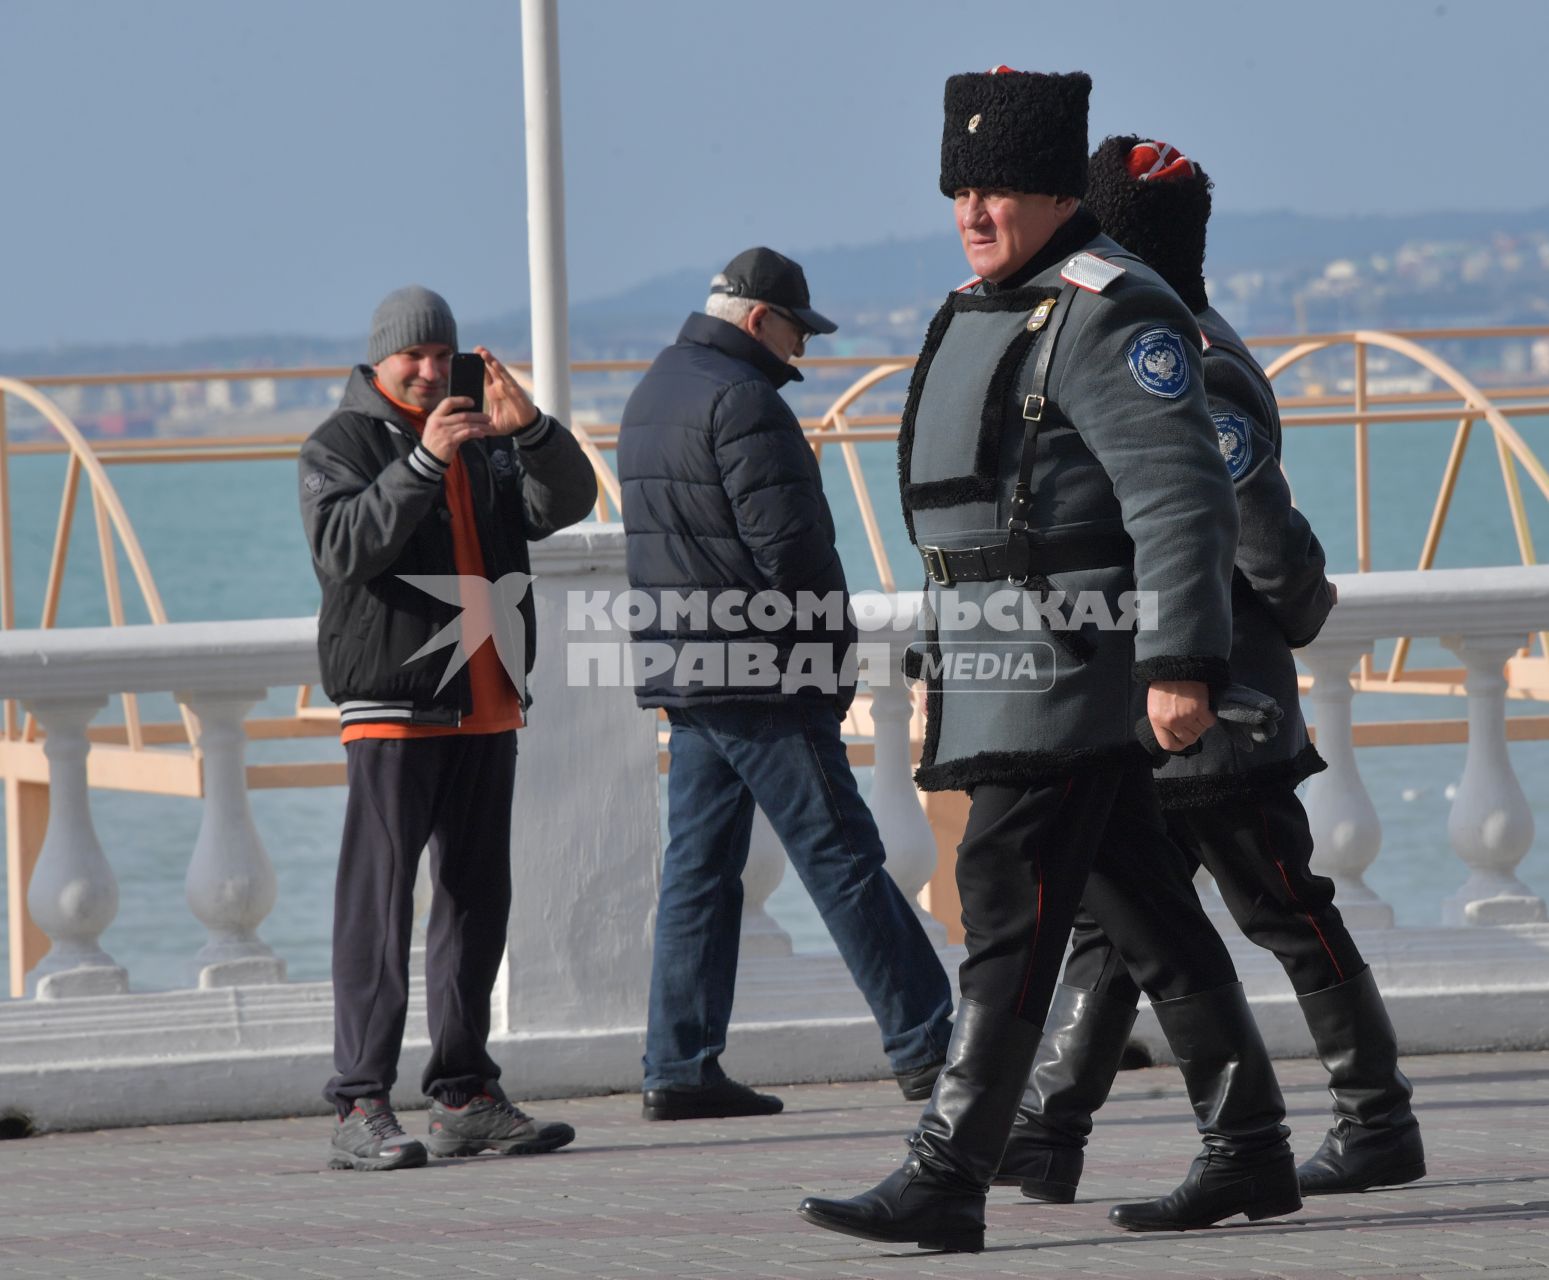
(789, 759)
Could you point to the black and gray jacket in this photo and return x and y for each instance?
(374, 509)
(1128, 486)
(1280, 595)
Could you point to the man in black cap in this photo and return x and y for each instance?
(731, 540)
(1238, 815)
(1056, 446)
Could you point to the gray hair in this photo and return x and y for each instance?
(729, 307)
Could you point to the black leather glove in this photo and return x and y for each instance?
(1246, 716)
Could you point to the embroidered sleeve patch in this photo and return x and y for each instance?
(1236, 442)
(1157, 361)
(314, 482)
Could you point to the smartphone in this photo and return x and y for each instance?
(468, 378)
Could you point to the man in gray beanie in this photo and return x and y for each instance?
(403, 482)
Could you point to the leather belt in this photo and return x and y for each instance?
(945, 566)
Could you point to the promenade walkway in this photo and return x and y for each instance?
(717, 1198)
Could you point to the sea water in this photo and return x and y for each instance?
(224, 542)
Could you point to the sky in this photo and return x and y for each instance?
(177, 169)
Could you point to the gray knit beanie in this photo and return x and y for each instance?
(408, 317)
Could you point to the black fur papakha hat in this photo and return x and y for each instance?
(1159, 215)
(1017, 131)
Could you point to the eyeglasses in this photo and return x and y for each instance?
(806, 334)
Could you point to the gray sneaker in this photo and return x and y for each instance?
(492, 1121)
(370, 1139)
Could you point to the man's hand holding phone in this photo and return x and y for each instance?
(461, 415)
(510, 408)
(453, 421)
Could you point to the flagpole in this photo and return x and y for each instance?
(546, 207)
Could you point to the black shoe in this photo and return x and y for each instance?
(1354, 1158)
(1246, 1166)
(936, 1199)
(492, 1122)
(705, 1102)
(1048, 1174)
(916, 1086)
(1217, 1187)
(371, 1140)
(912, 1205)
(1085, 1038)
(1375, 1139)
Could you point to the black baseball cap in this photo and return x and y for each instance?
(766, 276)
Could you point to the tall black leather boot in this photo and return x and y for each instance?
(1246, 1165)
(936, 1198)
(1375, 1139)
(1078, 1058)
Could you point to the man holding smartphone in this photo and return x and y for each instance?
(401, 484)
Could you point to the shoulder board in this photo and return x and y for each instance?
(969, 284)
(1089, 272)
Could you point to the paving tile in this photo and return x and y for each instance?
(715, 1199)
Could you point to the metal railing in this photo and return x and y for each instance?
(861, 407)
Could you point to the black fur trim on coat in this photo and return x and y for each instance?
(983, 483)
(1022, 768)
(933, 335)
(1208, 789)
(1018, 131)
(949, 493)
(1160, 222)
(1213, 671)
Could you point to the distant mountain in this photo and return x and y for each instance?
(1256, 241)
(877, 290)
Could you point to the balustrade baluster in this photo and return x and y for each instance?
(1345, 828)
(895, 804)
(230, 885)
(1491, 823)
(73, 895)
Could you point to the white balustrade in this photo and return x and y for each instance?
(1346, 830)
(895, 803)
(230, 885)
(73, 895)
(1491, 824)
(1483, 615)
(586, 847)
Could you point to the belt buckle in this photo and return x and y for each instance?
(1032, 408)
(936, 566)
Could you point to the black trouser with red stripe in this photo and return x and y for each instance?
(453, 794)
(1259, 852)
(1030, 857)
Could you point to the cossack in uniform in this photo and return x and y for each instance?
(1056, 453)
(1235, 812)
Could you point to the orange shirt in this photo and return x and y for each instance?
(496, 706)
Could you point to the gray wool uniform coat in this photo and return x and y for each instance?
(1280, 594)
(1127, 452)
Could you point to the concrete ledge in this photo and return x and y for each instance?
(254, 1052)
